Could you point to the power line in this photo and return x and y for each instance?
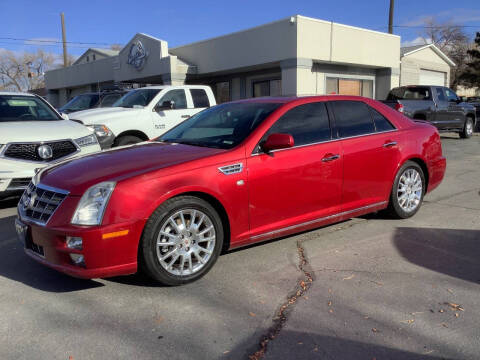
(54, 41)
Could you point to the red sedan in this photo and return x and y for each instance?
(232, 175)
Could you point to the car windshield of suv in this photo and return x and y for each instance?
(25, 108)
(223, 126)
(139, 97)
(81, 102)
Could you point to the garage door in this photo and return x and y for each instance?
(429, 77)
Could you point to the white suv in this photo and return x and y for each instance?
(145, 113)
(34, 135)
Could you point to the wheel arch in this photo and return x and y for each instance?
(420, 162)
(137, 133)
(420, 116)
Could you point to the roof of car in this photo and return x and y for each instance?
(288, 99)
(15, 93)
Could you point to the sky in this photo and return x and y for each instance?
(100, 23)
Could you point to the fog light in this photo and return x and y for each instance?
(74, 242)
(77, 259)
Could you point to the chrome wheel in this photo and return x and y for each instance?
(186, 242)
(410, 189)
(469, 128)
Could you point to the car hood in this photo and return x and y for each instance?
(33, 131)
(99, 116)
(118, 164)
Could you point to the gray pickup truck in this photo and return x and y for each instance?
(436, 104)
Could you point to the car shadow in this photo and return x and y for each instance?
(454, 252)
(17, 266)
(306, 345)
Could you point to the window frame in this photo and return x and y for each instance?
(335, 128)
(257, 150)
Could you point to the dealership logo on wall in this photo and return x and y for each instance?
(137, 55)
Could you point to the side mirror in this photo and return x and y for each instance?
(166, 105)
(278, 141)
(64, 116)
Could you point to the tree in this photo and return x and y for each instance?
(25, 71)
(452, 40)
(471, 76)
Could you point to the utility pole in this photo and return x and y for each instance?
(390, 17)
(64, 40)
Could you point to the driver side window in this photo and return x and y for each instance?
(177, 96)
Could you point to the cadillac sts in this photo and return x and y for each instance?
(232, 175)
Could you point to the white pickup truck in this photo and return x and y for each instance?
(145, 113)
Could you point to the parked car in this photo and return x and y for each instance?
(436, 104)
(34, 135)
(145, 113)
(229, 176)
(92, 101)
(475, 101)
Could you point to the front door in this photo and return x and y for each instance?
(292, 186)
(165, 119)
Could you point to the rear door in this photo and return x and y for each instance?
(370, 153)
(441, 104)
(292, 186)
(455, 111)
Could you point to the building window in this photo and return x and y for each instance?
(88, 58)
(267, 88)
(93, 57)
(222, 91)
(342, 86)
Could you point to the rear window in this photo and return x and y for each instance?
(410, 93)
(352, 118)
(200, 98)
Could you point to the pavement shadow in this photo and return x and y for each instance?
(303, 345)
(17, 266)
(453, 252)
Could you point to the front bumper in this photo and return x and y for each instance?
(103, 257)
(106, 142)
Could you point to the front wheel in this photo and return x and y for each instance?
(181, 241)
(467, 129)
(408, 191)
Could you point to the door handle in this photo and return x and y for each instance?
(390, 144)
(330, 158)
(185, 116)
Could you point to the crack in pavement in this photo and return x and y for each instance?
(303, 285)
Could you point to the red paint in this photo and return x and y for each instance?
(284, 192)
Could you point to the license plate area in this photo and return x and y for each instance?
(24, 235)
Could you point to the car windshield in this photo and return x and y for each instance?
(223, 126)
(139, 97)
(80, 102)
(25, 108)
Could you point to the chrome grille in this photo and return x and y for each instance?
(29, 151)
(38, 203)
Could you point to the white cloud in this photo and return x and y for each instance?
(42, 41)
(455, 16)
(417, 41)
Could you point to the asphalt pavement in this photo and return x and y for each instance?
(367, 288)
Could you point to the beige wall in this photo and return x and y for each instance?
(90, 53)
(424, 59)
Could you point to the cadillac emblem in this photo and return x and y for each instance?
(137, 55)
(45, 152)
(29, 201)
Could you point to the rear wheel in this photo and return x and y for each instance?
(127, 140)
(182, 240)
(408, 191)
(467, 129)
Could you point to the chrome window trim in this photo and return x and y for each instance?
(47, 188)
(6, 146)
(324, 142)
(292, 227)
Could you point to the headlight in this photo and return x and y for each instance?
(100, 130)
(87, 140)
(92, 205)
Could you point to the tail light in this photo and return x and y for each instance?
(399, 107)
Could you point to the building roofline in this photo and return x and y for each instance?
(436, 50)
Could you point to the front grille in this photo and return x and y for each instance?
(29, 152)
(38, 203)
(19, 184)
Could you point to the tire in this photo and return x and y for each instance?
(169, 264)
(467, 130)
(398, 206)
(126, 140)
